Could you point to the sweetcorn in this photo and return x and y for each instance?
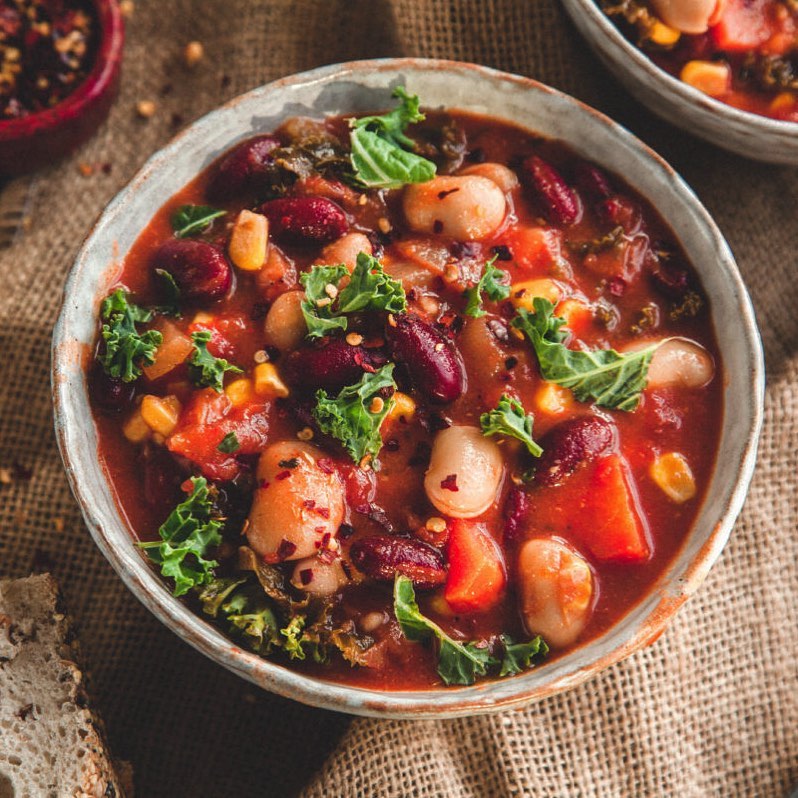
(240, 392)
(553, 400)
(160, 414)
(135, 429)
(249, 241)
(268, 381)
(673, 475)
(710, 77)
(522, 294)
(403, 405)
(663, 35)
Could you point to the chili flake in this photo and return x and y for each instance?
(450, 483)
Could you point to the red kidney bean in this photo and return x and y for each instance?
(305, 219)
(569, 444)
(670, 280)
(434, 364)
(620, 211)
(243, 169)
(381, 557)
(515, 510)
(559, 200)
(331, 366)
(592, 180)
(111, 394)
(201, 270)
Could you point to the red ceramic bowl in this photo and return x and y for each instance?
(44, 137)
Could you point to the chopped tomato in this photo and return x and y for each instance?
(231, 335)
(744, 25)
(534, 249)
(477, 576)
(206, 421)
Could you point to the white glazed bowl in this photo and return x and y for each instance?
(365, 86)
(744, 133)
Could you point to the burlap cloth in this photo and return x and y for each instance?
(710, 709)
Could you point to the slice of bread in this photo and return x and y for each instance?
(51, 745)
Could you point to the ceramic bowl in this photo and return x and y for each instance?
(741, 132)
(42, 138)
(366, 86)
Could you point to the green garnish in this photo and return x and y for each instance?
(205, 370)
(188, 220)
(171, 293)
(369, 289)
(382, 155)
(125, 348)
(508, 419)
(492, 283)
(355, 416)
(229, 443)
(520, 656)
(609, 378)
(186, 535)
(460, 663)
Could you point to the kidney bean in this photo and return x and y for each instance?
(201, 270)
(243, 169)
(620, 211)
(381, 557)
(559, 200)
(434, 364)
(515, 510)
(111, 394)
(569, 444)
(670, 280)
(592, 180)
(305, 219)
(331, 366)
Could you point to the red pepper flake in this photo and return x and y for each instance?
(326, 556)
(283, 474)
(187, 486)
(325, 465)
(345, 531)
(306, 576)
(264, 484)
(308, 504)
(450, 483)
(502, 252)
(324, 512)
(285, 549)
(437, 226)
(291, 463)
(617, 286)
(444, 194)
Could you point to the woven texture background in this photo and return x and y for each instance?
(710, 709)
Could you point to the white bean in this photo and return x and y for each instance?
(285, 326)
(292, 513)
(465, 472)
(555, 588)
(504, 177)
(688, 16)
(465, 207)
(680, 363)
(345, 250)
(318, 578)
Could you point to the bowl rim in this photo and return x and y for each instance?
(148, 587)
(100, 77)
(702, 102)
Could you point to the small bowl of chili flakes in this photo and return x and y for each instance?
(59, 71)
(723, 70)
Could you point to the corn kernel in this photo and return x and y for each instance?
(135, 428)
(202, 318)
(663, 35)
(553, 399)
(402, 405)
(522, 294)
(268, 381)
(240, 392)
(710, 77)
(783, 101)
(160, 414)
(575, 313)
(672, 473)
(249, 241)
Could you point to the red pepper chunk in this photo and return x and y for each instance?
(608, 521)
(477, 577)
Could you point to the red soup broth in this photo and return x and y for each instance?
(636, 286)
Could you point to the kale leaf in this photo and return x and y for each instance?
(317, 306)
(205, 370)
(521, 656)
(493, 284)
(355, 416)
(382, 155)
(188, 220)
(229, 444)
(609, 378)
(508, 419)
(125, 348)
(186, 535)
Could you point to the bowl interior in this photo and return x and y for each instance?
(366, 86)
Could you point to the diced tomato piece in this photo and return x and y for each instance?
(608, 521)
(744, 25)
(477, 576)
(534, 249)
(231, 336)
(205, 422)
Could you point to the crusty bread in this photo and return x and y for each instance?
(51, 745)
